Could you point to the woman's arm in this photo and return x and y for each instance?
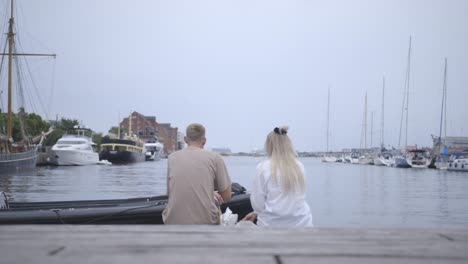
(258, 193)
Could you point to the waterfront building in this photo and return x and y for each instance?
(149, 130)
(452, 143)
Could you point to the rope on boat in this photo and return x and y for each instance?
(4, 204)
(123, 211)
(56, 211)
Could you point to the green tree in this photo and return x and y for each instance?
(61, 127)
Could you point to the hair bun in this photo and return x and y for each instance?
(283, 130)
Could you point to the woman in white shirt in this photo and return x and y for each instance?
(278, 189)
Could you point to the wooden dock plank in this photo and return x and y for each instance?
(209, 244)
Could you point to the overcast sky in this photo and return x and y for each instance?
(243, 67)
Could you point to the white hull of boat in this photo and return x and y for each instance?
(365, 160)
(458, 165)
(354, 161)
(74, 158)
(441, 165)
(378, 162)
(401, 162)
(422, 163)
(328, 159)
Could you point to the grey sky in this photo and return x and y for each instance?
(243, 67)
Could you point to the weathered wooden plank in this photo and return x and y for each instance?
(46, 244)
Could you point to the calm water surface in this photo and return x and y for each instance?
(340, 195)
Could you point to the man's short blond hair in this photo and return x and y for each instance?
(195, 132)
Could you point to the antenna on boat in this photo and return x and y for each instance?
(130, 125)
(118, 125)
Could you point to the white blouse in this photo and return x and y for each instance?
(274, 207)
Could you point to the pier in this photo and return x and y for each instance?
(216, 244)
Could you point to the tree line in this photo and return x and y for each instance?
(31, 125)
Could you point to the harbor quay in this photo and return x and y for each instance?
(243, 243)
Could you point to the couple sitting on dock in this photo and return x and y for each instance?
(198, 182)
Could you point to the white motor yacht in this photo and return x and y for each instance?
(153, 151)
(458, 162)
(76, 149)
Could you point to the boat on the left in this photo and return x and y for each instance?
(145, 210)
(17, 154)
(76, 148)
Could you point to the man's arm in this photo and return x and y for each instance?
(222, 180)
(226, 194)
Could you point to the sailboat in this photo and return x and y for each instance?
(327, 157)
(384, 158)
(400, 161)
(20, 155)
(441, 159)
(365, 158)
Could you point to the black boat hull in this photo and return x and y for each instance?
(126, 211)
(122, 157)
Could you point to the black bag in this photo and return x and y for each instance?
(236, 188)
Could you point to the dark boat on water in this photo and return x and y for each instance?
(147, 210)
(121, 151)
(12, 160)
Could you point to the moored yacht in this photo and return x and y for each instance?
(366, 160)
(328, 158)
(121, 151)
(354, 158)
(458, 162)
(75, 149)
(153, 151)
(418, 158)
(384, 159)
(401, 162)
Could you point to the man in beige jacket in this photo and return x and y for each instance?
(197, 182)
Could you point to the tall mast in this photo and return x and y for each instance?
(383, 116)
(328, 118)
(405, 98)
(10, 60)
(371, 128)
(365, 122)
(444, 105)
(11, 42)
(445, 88)
(407, 91)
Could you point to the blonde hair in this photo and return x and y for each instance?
(195, 132)
(283, 161)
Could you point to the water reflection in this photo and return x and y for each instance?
(340, 195)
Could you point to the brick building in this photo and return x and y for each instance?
(149, 130)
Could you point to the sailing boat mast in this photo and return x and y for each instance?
(443, 111)
(407, 91)
(383, 116)
(365, 122)
(406, 98)
(328, 117)
(10, 37)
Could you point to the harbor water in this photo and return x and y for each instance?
(340, 195)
